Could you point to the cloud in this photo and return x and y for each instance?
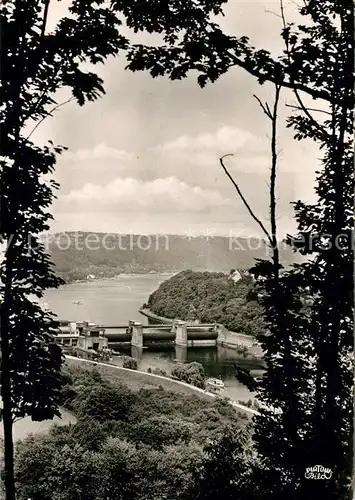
(99, 152)
(251, 154)
(160, 195)
(225, 138)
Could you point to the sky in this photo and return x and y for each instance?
(144, 157)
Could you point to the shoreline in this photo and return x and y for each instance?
(112, 278)
(150, 315)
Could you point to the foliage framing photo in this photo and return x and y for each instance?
(308, 385)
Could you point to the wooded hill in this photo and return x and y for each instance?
(210, 297)
(77, 255)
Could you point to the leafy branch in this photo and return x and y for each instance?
(303, 107)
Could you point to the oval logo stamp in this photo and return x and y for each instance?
(318, 472)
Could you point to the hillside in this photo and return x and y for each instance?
(210, 297)
(77, 255)
(127, 444)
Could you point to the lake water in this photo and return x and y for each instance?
(118, 300)
(109, 302)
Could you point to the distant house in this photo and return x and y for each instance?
(235, 275)
(238, 274)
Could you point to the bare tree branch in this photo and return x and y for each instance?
(257, 220)
(267, 107)
(49, 114)
(272, 115)
(267, 11)
(264, 107)
(272, 238)
(34, 108)
(316, 110)
(310, 117)
(273, 173)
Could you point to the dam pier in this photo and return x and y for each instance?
(136, 334)
(90, 337)
(178, 332)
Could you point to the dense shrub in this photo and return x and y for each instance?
(130, 363)
(47, 472)
(191, 373)
(250, 403)
(224, 468)
(157, 371)
(160, 430)
(103, 403)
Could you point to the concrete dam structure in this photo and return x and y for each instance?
(180, 333)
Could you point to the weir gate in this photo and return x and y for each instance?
(182, 334)
(179, 332)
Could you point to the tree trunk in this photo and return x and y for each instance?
(6, 394)
(8, 452)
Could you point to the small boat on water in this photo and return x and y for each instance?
(77, 302)
(214, 385)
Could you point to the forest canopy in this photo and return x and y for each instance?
(149, 444)
(210, 297)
